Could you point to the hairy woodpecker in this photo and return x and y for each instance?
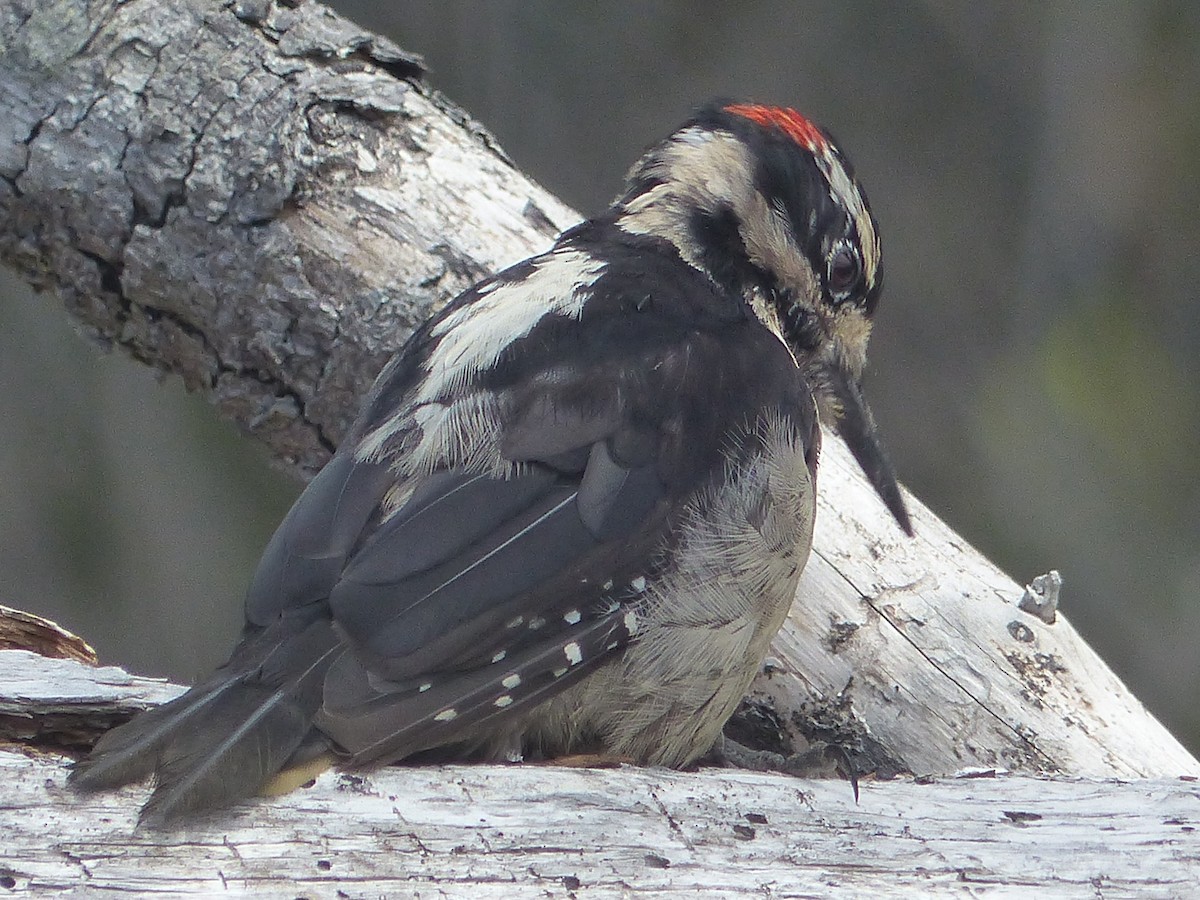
(574, 508)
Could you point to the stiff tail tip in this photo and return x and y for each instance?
(204, 755)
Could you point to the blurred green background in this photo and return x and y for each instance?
(1036, 172)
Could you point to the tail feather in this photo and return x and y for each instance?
(224, 740)
(260, 730)
(129, 752)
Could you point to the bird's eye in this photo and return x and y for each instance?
(844, 270)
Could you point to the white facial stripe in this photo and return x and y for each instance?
(472, 337)
(846, 194)
(701, 170)
(708, 170)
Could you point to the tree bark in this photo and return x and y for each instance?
(265, 199)
(259, 197)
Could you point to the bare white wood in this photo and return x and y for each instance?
(925, 640)
(523, 831)
(529, 831)
(33, 685)
(922, 641)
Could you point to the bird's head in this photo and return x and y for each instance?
(765, 203)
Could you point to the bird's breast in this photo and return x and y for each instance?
(706, 621)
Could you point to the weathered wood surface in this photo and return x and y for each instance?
(68, 703)
(523, 831)
(924, 641)
(20, 630)
(264, 199)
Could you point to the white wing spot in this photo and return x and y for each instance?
(426, 686)
(499, 656)
(503, 700)
(573, 653)
(446, 715)
(573, 617)
(638, 584)
(536, 623)
(559, 673)
(515, 623)
(631, 622)
(511, 681)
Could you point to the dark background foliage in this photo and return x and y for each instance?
(1036, 172)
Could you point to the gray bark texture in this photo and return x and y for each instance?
(259, 197)
(264, 199)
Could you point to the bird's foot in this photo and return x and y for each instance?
(821, 760)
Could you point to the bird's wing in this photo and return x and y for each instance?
(506, 494)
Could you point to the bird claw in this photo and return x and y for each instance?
(821, 760)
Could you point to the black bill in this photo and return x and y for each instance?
(857, 428)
